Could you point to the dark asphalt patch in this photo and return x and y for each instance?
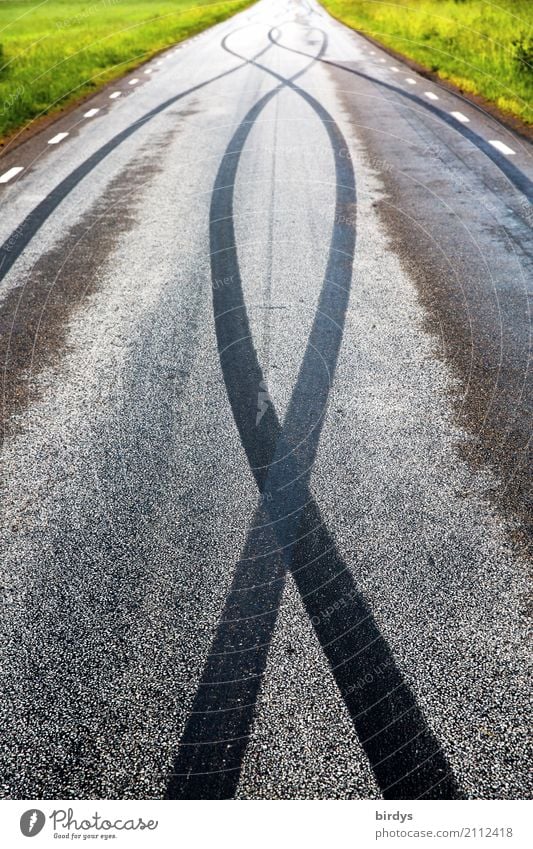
(34, 316)
(481, 317)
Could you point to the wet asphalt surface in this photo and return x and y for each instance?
(266, 411)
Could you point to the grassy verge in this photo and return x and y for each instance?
(54, 52)
(484, 47)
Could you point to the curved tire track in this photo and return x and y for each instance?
(287, 532)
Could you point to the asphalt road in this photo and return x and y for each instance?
(266, 411)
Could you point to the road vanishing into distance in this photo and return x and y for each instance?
(265, 414)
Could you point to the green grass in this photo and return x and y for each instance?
(484, 47)
(56, 51)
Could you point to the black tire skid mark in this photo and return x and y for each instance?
(287, 532)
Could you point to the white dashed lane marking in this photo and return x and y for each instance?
(134, 81)
(91, 113)
(8, 175)
(410, 80)
(396, 70)
(115, 95)
(502, 147)
(56, 139)
(460, 117)
(431, 95)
